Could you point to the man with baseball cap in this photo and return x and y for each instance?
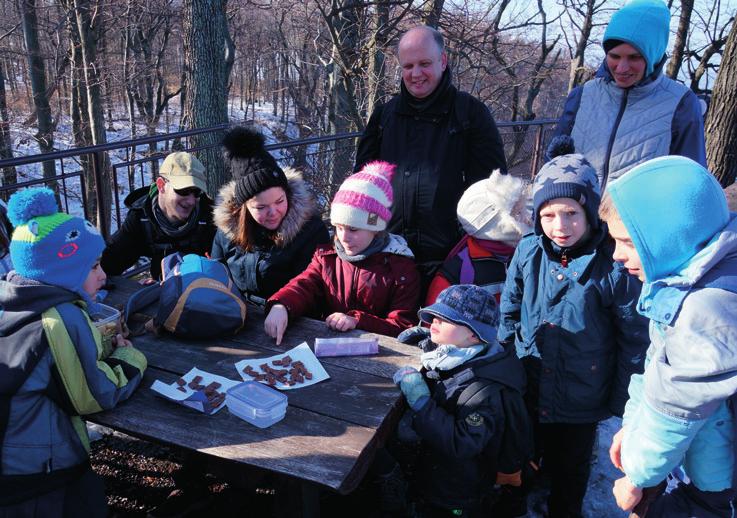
(174, 214)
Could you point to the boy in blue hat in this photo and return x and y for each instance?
(55, 365)
(569, 309)
(673, 231)
(460, 441)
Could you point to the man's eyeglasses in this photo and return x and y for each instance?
(189, 190)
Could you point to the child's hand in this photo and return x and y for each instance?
(413, 387)
(627, 495)
(276, 322)
(341, 322)
(615, 450)
(120, 341)
(414, 335)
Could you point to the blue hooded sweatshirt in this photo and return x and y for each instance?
(676, 215)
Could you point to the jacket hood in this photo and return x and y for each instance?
(302, 207)
(503, 367)
(23, 299)
(672, 207)
(397, 245)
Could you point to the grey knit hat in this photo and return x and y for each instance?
(567, 175)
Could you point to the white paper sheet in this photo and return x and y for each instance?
(194, 398)
(301, 353)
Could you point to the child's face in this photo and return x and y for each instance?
(564, 221)
(95, 280)
(625, 251)
(354, 240)
(444, 332)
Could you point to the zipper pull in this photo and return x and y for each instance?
(564, 259)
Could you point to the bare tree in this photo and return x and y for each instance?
(581, 15)
(721, 121)
(708, 36)
(679, 47)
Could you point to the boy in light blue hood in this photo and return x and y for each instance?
(673, 231)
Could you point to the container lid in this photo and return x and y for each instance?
(257, 395)
(102, 314)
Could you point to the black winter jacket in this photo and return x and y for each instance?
(460, 445)
(439, 151)
(140, 236)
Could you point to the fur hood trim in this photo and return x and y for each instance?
(302, 207)
(397, 245)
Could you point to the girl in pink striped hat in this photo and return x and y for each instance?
(367, 279)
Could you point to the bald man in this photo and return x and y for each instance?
(442, 141)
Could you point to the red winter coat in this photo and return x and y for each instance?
(382, 291)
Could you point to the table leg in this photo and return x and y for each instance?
(310, 500)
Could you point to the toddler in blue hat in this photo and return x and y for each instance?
(459, 442)
(56, 366)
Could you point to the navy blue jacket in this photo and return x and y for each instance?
(577, 325)
(460, 445)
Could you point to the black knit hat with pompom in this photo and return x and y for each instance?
(253, 168)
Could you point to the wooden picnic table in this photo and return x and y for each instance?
(331, 430)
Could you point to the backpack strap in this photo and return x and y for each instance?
(462, 110)
(476, 393)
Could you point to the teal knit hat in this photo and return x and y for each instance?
(50, 246)
(644, 24)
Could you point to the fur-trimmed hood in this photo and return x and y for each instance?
(302, 207)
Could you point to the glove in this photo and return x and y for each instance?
(414, 335)
(413, 387)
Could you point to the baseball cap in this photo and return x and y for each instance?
(183, 170)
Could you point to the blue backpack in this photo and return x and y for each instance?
(198, 298)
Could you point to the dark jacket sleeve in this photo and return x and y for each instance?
(485, 149)
(510, 304)
(687, 130)
(303, 291)
(454, 436)
(369, 145)
(402, 312)
(631, 334)
(125, 246)
(218, 247)
(317, 234)
(568, 118)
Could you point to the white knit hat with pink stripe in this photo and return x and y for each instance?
(364, 199)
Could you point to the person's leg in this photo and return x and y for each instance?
(86, 497)
(567, 459)
(687, 501)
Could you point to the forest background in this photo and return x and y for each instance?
(86, 71)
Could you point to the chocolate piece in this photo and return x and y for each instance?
(181, 382)
(182, 389)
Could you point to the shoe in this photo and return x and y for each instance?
(181, 503)
(393, 491)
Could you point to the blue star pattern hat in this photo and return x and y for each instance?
(467, 305)
(51, 246)
(567, 175)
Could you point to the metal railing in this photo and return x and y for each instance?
(324, 162)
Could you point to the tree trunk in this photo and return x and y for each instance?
(6, 146)
(205, 68)
(37, 74)
(676, 59)
(578, 71)
(431, 13)
(377, 64)
(721, 119)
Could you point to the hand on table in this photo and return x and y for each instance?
(341, 322)
(120, 341)
(627, 495)
(276, 322)
(615, 450)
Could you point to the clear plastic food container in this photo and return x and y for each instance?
(346, 346)
(106, 320)
(256, 403)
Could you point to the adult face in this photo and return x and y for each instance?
(176, 204)
(422, 62)
(626, 64)
(269, 207)
(564, 221)
(625, 251)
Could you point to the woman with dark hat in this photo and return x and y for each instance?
(267, 219)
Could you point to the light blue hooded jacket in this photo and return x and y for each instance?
(676, 215)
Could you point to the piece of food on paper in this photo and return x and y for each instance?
(346, 346)
(203, 391)
(296, 368)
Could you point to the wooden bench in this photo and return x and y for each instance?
(331, 430)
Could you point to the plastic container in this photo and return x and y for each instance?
(256, 403)
(346, 346)
(106, 320)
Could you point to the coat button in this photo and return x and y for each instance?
(560, 277)
(407, 173)
(544, 412)
(547, 370)
(593, 368)
(401, 278)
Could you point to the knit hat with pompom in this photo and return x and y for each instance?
(365, 198)
(49, 246)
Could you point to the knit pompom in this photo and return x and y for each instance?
(381, 168)
(30, 203)
(241, 142)
(561, 145)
